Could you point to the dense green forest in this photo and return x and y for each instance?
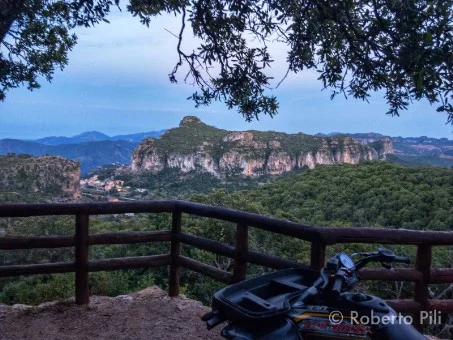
(372, 194)
(171, 183)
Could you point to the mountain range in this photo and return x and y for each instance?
(93, 148)
(90, 149)
(95, 136)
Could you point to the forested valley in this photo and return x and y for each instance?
(372, 194)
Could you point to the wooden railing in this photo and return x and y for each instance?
(423, 274)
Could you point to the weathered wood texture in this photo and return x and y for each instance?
(82, 295)
(33, 269)
(130, 237)
(98, 208)
(152, 261)
(441, 275)
(329, 235)
(423, 265)
(30, 242)
(422, 274)
(394, 274)
(317, 255)
(241, 252)
(405, 305)
(59, 241)
(223, 249)
(215, 273)
(175, 252)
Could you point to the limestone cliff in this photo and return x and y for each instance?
(50, 175)
(197, 146)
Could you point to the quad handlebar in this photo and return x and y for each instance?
(340, 272)
(383, 255)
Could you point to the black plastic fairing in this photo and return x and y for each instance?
(265, 296)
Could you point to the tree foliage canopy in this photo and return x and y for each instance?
(401, 48)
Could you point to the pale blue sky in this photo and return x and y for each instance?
(116, 82)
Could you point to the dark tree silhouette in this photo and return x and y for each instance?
(401, 48)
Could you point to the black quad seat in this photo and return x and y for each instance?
(265, 296)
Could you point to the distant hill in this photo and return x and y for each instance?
(95, 136)
(17, 146)
(88, 154)
(90, 136)
(412, 151)
(138, 137)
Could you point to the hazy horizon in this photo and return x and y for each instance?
(41, 136)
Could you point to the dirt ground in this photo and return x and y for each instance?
(148, 314)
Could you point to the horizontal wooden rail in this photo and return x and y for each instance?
(152, 261)
(412, 306)
(273, 262)
(328, 235)
(95, 265)
(306, 232)
(101, 208)
(59, 241)
(32, 269)
(386, 236)
(443, 306)
(405, 305)
(130, 237)
(228, 251)
(207, 244)
(215, 273)
(31, 242)
(441, 275)
(394, 274)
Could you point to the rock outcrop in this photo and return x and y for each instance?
(49, 175)
(147, 314)
(195, 146)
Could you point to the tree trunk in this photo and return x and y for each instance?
(9, 10)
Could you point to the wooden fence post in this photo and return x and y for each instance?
(240, 253)
(175, 252)
(317, 255)
(422, 264)
(82, 295)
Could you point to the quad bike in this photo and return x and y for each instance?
(307, 304)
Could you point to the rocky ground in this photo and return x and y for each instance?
(147, 314)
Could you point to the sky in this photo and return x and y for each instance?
(116, 82)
